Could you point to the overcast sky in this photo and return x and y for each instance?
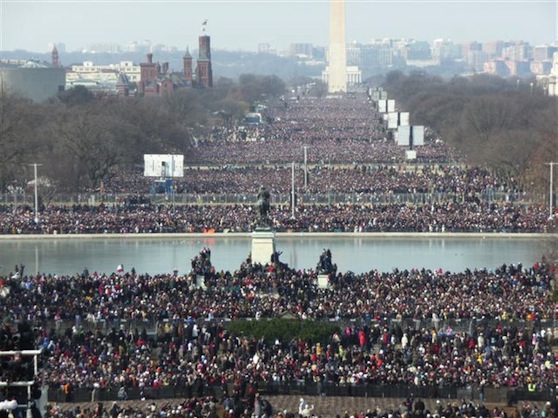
(235, 25)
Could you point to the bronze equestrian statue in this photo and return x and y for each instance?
(263, 206)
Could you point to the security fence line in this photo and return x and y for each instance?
(278, 198)
(306, 388)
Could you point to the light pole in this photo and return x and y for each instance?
(305, 167)
(35, 165)
(293, 190)
(551, 188)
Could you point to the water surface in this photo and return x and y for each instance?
(358, 254)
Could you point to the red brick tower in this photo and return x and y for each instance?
(204, 74)
(187, 61)
(148, 77)
(205, 46)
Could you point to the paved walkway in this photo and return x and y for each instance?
(325, 407)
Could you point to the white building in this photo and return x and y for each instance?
(102, 78)
(89, 71)
(552, 79)
(354, 75)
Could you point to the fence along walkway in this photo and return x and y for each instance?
(301, 388)
(278, 198)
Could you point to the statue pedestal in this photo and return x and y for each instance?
(200, 282)
(323, 281)
(263, 245)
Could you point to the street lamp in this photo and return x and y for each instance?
(305, 167)
(35, 165)
(551, 189)
(293, 190)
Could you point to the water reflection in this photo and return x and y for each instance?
(163, 255)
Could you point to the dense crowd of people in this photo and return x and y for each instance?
(335, 130)
(381, 340)
(324, 179)
(244, 293)
(193, 348)
(352, 178)
(450, 216)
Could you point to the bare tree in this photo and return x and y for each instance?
(90, 140)
(19, 121)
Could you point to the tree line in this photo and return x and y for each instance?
(79, 137)
(505, 126)
(509, 126)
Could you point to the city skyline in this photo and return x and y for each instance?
(243, 25)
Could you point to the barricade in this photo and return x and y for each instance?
(326, 198)
(301, 388)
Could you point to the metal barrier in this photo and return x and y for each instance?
(278, 198)
(303, 388)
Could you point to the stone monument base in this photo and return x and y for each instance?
(200, 283)
(263, 245)
(323, 281)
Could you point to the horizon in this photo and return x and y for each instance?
(172, 49)
(243, 25)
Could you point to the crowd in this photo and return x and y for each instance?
(193, 348)
(447, 216)
(508, 345)
(350, 157)
(334, 133)
(335, 130)
(245, 292)
(323, 180)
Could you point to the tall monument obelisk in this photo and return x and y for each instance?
(337, 77)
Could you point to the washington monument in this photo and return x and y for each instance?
(337, 79)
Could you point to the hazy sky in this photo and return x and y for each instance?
(234, 25)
